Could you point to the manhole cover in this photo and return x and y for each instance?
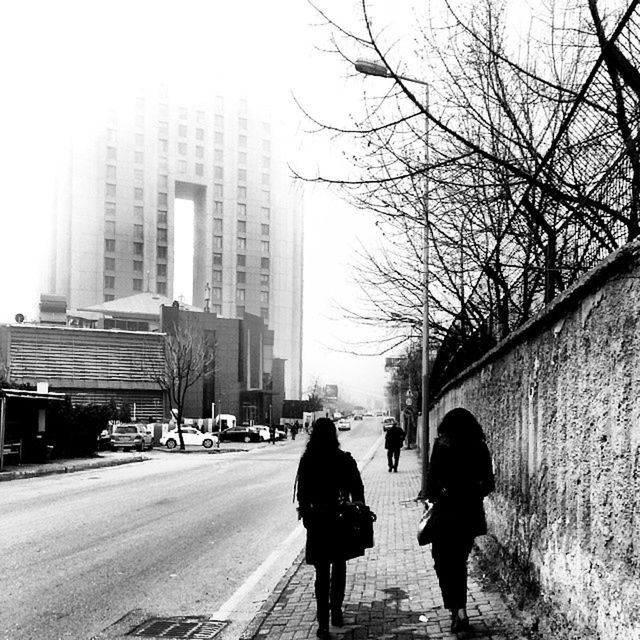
(197, 627)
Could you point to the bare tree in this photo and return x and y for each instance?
(533, 161)
(188, 358)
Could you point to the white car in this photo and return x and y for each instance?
(191, 436)
(263, 431)
(344, 425)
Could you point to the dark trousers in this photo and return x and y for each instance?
(450, 555)
(329, 586)
(393, 455)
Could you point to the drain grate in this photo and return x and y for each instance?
(194, 627)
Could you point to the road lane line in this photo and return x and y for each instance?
(225, 611)
(369, 455)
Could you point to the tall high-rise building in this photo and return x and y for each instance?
(118, 230)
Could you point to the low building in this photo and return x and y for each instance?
(138, 312)
(248, 381)
(98, 365)
(89, 365)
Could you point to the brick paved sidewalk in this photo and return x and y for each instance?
(392, 592)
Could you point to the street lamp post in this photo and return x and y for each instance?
(372, 68)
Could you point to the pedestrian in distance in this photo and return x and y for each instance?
(272, 434)
(294, 430)
(327, 476)
(393, 439)
(460, 475)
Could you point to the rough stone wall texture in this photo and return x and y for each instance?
(560, 406)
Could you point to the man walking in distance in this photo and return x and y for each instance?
(393, 443)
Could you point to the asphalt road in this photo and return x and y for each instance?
(176, 535)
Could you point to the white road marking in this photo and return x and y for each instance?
(225, 611)
(367, 456)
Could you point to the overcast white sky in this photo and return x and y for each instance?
(54, 53)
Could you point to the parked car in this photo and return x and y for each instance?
(357, 416)
(388, 422)
(191, 436)
(240, 434)
(344, 424)
(131, 436)
(263, 430)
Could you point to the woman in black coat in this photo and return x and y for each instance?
(326, 477)
(460, 476)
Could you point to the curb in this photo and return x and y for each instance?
(59, 468)
(202, 452)
(267, 607)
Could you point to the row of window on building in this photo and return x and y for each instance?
(218, 192)
(183, 149)
(162, 255)
(216, 292)
(200, 114)
(163, 142)
(162, 235)
(162, 213)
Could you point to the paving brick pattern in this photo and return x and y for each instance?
(392, 592)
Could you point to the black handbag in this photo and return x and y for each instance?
(356, 525)
(427, 526)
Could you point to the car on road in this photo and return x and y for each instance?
(131, 436)
(240, 434)
(344, 424)
(191, 436)
(388, 422)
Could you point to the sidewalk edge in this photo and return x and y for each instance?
(58, 469)
(267, 607)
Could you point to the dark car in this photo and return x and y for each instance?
(240, 434)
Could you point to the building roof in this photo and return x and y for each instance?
(30, 395)
(139, 305)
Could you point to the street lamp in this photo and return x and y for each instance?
(373, 68)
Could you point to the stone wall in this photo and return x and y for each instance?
(560, 404)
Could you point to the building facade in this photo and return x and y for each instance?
(101, 366)
(89, 365)
(247, 380)
(116, 221)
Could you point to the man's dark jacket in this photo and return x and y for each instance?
(394, 438)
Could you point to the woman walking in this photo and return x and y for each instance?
(326, 477)
(460, 476)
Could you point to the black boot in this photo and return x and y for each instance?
(337, 619)
(323, 621)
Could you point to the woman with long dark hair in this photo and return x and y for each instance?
(460, 476)
(326, 478)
